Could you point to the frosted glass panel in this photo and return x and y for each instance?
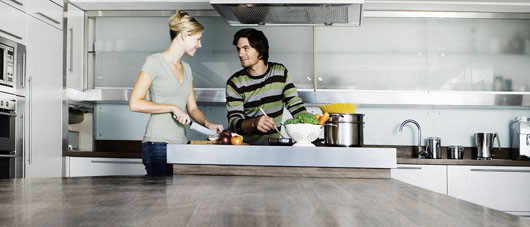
(437, 54)
(124, 42)
(382, 54)
(479, 54)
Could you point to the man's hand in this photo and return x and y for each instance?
(264, 123)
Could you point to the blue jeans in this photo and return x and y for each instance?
(154, 157)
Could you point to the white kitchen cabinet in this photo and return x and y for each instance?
(431, 177)
(12, 23)
(47, 11)
(83, 166)
(43, 157)
(502, 188)
(74, 48)
(19, 4)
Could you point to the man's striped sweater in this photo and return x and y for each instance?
(245, 94)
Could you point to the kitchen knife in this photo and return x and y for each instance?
(199, 128)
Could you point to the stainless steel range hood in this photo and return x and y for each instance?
(290, 12)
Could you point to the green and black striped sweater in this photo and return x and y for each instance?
(272, 90)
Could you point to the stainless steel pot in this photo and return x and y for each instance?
(344, 130)
(455, 152)
(434, 148)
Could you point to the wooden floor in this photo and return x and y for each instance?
(234, 201)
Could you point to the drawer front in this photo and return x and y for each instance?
(105, 167)
(47, 11)
(19, 4)
(431, 177)
(12, 23)
(502, 188)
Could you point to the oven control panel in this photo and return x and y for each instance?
(6, 104)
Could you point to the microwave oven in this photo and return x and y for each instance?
(7, 64)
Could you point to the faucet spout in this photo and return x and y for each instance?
(421, 153)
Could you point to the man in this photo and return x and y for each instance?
(260, 84)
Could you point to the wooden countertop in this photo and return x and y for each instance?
(235, 201)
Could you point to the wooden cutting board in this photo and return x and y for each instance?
(203, 142)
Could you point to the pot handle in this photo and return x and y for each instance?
(330, 124)
(498, 140)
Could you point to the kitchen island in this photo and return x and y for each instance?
(235, 201)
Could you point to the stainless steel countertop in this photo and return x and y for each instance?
(352, 157)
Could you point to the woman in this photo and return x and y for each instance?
(169, 82)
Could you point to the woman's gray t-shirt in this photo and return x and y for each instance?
(166, 89)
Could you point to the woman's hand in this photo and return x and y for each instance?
(181, 116)
(213, 127)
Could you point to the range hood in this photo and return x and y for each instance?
(290, 12)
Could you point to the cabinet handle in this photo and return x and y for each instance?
(527, 139)
(23, 70)
(11, 34)
(30, 147)
(501, 170)
(403, 167)
(55, 3)
(71, 68)
(49, 18)
(23, 142)
(17, 2)
(117, 162)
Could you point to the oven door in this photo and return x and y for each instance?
(7, 144)
(7, 130)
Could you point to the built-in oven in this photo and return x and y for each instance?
(8, 118)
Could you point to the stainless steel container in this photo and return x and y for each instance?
(485, 143)
(434, 148)
(455, 152)
(344, 130)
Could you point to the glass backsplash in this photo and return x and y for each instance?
(437, 54)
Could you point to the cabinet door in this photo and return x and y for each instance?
(431, 177)
(501, 188)
(81, 166)
(12, 23)
(74, 52)
(44, 69)
(47, 11)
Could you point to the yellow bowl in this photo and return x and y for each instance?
(339, 108)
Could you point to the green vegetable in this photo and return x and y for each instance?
(303, 118)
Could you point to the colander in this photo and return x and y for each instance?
(303, 134)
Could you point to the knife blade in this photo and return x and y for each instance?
(199, 128)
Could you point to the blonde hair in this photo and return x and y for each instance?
(181, 22)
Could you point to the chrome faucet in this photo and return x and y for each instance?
(421, 153)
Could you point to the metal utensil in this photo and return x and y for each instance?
(280, 142)
(265, 114)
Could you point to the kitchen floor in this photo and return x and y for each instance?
(234, 201)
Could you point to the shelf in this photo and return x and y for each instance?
(369, 97)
